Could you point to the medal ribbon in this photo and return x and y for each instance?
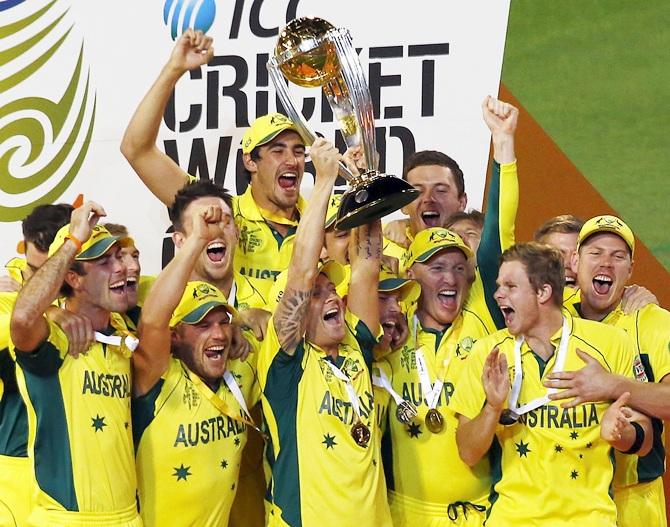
(431, 392)
(351, 393)
(129, 341)
(518, 373)
(219, 403)
(382, 381)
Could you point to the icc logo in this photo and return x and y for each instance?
(179, 15)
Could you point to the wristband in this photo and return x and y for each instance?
(74, 240)
(639, 439)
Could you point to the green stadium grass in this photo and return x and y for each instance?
(595, 75)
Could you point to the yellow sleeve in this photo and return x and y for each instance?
(654, 339)
(7, 301)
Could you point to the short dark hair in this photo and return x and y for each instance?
(42, 224)
(202, 188)
(565, 224)
(433, 157)
(474, 216)
(544, 265)
(255, 156)
(66, 289)
(116, 229)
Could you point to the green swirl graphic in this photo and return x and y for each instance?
(31, 127)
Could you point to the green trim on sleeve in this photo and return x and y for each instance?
(143, 411)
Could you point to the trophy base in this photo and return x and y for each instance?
(373, 196)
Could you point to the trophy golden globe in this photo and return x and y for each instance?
(311, 52)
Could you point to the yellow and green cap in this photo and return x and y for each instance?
(428, 242)
(265, 129)
(97, 244)
(409, 290)
(199, 298)
(607, 223)
(335, 272)
(333, 207)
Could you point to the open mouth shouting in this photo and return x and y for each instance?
(602, 284)
(118, 287)
(216, 251)
(332, 317)
(288, 181)
(131, 284)
(215, 354)
(508, 314)
(431, 218)
(447, 298)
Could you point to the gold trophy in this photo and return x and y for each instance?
(311, 52)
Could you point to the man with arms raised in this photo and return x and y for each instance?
(314, 369)
(79, 437)
(603, 264)
(274, 156)
(190, 400)
(552, 467)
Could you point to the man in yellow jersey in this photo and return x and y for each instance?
(550, 467)
(561, 232)
(273, 155)
(78, 407)
(314, 369)
(603, 264)
(39, 228)
(190, 400)
(455, 309)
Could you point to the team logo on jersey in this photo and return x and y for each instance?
(464, 346)
(408, 358)
(351, 367)
(249, 241)
(191, 396)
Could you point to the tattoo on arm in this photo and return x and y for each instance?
(291, 318)
(368, 243)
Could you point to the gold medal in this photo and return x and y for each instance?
(361, 434)
(434, 421)
(405, 412)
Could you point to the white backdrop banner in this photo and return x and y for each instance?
(73, 71)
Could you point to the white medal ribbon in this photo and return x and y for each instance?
(382, 381)
(353, 398)
(518, 373)
(431, 392)
(232, 294)
(234, 388)
(117, 340)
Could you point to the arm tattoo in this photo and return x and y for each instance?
(291, 318)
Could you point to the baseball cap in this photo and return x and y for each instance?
(428, 242)
(607, 223)
(332, 269)
(333, 207)
(265, 129)
(199, 298)
(98, 243)
(409, 290)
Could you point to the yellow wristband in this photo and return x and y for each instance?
(74, 240)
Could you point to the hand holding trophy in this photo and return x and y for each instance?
(311, 52)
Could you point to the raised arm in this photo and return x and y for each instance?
(28, 327)
(502, 200)
(365, 256)
(162, 176)
(151, 359)
(290, 317)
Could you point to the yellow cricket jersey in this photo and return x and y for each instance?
(15, 268)
(262, 253)
(187, 449)
(320, 476)
(417, 460)
(397, 251)
(551, 468)
(649, 329)
(79, 431)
